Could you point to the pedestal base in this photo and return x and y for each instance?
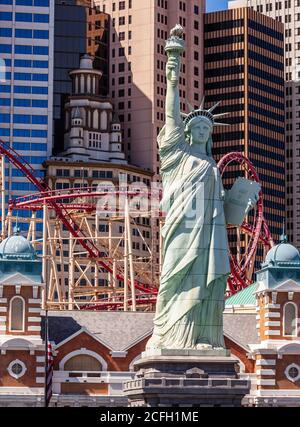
(186, 378)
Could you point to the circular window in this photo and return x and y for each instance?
(17, 369)
(292, 372)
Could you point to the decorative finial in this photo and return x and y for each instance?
(283, 237)
(76, 113)
(16, 230)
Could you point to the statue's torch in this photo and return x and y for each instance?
(175, 45)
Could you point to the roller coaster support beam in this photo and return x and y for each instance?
(44, 257)
(130, 256)
(3, 219)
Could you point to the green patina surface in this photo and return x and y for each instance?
(190, 302)
(244, 297)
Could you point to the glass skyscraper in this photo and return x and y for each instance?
(244, 68)
(26, 91)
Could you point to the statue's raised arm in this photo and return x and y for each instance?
(174, 47)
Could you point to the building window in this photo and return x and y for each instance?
(122, 5)
(16, 369)
(17, 314)
(292, 372)
(290, 319)
(83, 363)
(122, 20)
(269, 7)
(83, 360)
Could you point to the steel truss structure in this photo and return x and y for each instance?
(87, 263)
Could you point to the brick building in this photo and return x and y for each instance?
(94, 352)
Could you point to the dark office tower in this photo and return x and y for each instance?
(244, 68)
(79, 28)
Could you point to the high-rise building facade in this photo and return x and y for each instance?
(79, 28)
(26, 47)
(244, 69)
(288, 12)
(138, 31)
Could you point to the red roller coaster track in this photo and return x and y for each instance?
(238, 280)
(258, 231)
(63, 214)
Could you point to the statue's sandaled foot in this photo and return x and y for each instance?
(203, 346)
(154, 343)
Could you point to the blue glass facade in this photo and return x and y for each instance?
(26, 49)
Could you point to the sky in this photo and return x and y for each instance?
(212, 5)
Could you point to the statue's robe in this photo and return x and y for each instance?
(196, 263)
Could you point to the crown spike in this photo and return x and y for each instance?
(191, 108)
(202, 103)
(214, 107)
(221, 115)
(201, 112)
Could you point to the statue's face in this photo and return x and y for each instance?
(200, 132)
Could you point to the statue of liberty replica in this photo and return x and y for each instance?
(188, 325)
(196, 264)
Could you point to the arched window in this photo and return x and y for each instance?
(95, 124)
(290, 319)
(17, 314)
(83, 363)
(103, 120)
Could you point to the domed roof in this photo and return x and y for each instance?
(16, 247)
(86, 62)
(283, 253)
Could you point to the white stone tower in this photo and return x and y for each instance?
(91, 133)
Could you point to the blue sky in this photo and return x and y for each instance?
(212, 5)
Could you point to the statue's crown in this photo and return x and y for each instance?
(201, 112)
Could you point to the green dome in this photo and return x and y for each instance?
(16, 247)
(283, 253)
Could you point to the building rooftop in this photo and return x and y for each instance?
(121, 330)
(281, 254)
(244, 297)
(16, 247)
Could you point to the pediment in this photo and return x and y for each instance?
(287, 286)
(76, 338)
(18, 279)
(290, 348)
